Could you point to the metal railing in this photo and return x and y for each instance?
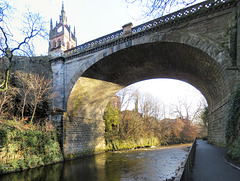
(164, 20)
(185, 170)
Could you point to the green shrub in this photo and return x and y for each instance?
(3, 138)
(22, 164)
(26, 147)
(233, 127)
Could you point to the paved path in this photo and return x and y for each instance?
(210, 164)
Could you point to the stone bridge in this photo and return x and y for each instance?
(199, 45)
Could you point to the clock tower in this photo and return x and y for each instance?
(60, 37)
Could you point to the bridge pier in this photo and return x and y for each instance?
(57, 118)
(85, 136)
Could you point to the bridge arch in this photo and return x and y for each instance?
(208, 47)
(161, 60)
(200, 64)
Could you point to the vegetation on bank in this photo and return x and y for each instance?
(233, 128)
(24, 145)
(27, 140)
(129, 129)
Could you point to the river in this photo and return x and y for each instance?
(154, 164)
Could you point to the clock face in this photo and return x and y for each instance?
(59, 29)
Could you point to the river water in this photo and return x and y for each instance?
(154, 164)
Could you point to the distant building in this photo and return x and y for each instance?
(61, 38)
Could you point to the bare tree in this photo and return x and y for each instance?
(127, 97)
(38, 87)
(143, 103)
(7, 99)
(156, 8)
(33, 26)
(23, 79)
(151, 106)
(31, 90)
(184, 109)
(199, 110)
(181, 109)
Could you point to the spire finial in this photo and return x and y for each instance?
(63, 18)
(51, 25)
(62, 5)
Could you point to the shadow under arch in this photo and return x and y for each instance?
(84, 126)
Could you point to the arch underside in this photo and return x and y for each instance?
(159, 60)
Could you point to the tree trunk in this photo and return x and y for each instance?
(34, 111)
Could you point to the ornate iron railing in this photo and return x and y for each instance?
(192, 10)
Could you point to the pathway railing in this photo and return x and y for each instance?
(185, 170)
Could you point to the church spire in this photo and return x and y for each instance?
(63, 18)
(61, 38)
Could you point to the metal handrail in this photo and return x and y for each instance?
(185, 170)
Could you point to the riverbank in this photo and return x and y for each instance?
(116, 145)
(24, 146)
(184, 147)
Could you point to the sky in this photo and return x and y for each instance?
(95, 18)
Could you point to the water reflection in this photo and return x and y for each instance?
(47, 173)
(154, 164)
(89, 168)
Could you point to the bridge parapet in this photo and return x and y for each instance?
(159, 23)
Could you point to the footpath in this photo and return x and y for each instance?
(210, 164)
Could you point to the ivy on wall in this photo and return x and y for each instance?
(233, 127)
